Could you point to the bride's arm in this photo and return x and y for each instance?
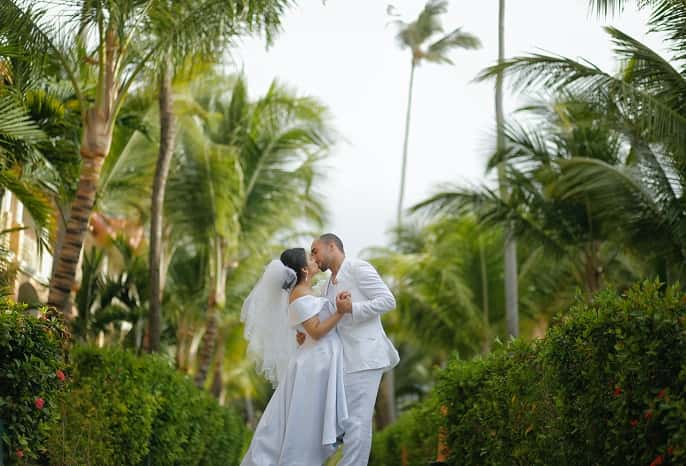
(317, 329)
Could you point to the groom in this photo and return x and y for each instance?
(367, 351)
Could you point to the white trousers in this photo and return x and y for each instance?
(361, 389)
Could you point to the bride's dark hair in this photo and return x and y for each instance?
(296, 259)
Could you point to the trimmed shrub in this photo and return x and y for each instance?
(606, 386)
(411, 440)
(32, 372)
(616, 368)
(498, 408)
(137, 410)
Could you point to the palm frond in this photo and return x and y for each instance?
(617, 193)
(648, 70)
(41, 38)
(609, 7)
(413, 34)
(34, 201)
(437, 52)
(669, 17)
(16, 124)
(556, 73)
(197, 30)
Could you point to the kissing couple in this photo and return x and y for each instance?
(324, 354)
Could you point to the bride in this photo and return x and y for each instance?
(303, 419)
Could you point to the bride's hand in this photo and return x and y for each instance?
(344, 302)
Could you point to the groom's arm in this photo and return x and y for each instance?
(379, 298)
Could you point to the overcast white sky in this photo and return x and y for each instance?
(345, 53)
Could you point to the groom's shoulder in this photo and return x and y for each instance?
(360, 264)
(355, 262)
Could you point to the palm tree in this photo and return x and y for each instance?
(414, 36)
(265, 16)
(19, 137)
(245, 172)
(540, 207)
(644, 102)
(36, 140)
(511, 288)
(108, 302)
(103, 48)
(432, 272)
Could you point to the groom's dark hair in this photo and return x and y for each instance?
(331, 238)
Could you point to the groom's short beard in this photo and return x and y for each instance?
(323, 266)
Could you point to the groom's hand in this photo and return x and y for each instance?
(300, 337)
(344, 302)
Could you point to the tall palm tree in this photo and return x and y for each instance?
(425, 39)
(644, 102)
(419, 36)
(246, 171)
(102, 48)
(264, 17)
(511, 285)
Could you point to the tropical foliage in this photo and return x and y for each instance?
(162, 184)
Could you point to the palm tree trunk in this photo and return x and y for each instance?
(403, 171)
(385, 400)
(592, 274)
(216, 302)
(62, 217)
(180, 346)
(208, 341)
(249, 412)
(386, 395)
(217, 382)
(95, 145)
(166, 150)
(486, 347)
(511, 292)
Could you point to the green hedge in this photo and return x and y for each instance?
(498, 409)
(617, 369)
(127, 409)
(413, 437)
(606, 386)
(32, 373)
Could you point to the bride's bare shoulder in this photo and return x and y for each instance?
(299, 293)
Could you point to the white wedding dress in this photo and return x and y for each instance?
(305, 415)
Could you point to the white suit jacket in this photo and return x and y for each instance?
(365, 344)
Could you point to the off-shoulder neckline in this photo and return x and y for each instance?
(305, 296)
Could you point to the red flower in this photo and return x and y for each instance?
(648, 414)
(618, 391)
(659, 459)
(40, 402)
(661, 394)
(634, 422)
(60, 375)
(19, 453)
